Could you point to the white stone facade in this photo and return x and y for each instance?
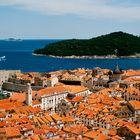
(51, 101)
(52, 81)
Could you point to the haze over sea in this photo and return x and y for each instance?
(19, 56)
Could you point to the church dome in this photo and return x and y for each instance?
(70, 95)
(117, 70)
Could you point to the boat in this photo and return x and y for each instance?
(2, 58)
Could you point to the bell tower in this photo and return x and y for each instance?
(117, 74)
(29, 95)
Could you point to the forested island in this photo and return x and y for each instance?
(116, 44)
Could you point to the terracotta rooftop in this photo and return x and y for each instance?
(12, 132)
(132, 72)
(96, 135)
(20, 97)
(134, 129)
(8, 105)
(135, 104)
(56, 117)
(59, 89)
(77, 99)
(49, 91)
(67, 119)
(36, 102)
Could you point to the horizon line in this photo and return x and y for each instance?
(20, 38)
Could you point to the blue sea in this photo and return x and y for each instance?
(19, 56)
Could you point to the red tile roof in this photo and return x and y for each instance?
(12, 132)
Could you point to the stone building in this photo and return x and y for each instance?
(65, 105)
(6, 74)
(131, 93)
(52, 81)
(38, 81)
(51, 100)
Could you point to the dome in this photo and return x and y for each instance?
(70, 95)
(117, 70)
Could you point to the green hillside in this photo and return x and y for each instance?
(119, 43)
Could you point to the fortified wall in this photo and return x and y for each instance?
(18, 87)
(6, 74)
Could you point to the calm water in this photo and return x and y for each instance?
(19, 56)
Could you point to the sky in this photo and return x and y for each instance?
(66, 19)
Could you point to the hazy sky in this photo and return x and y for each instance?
(67, 18)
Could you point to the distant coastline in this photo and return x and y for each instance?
(90, 57)
(38, 54)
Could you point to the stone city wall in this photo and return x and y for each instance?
(17, 87)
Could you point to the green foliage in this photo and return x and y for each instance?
(125, 44)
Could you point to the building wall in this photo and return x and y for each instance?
(87, 83)
(51, 101)
(129, 96)
(137, 85)
(52, 82)
(40, 82)
(116, 77)
(138, 137)
(19, 81)
(17, 87)
(82, 93)
(6, 74)
(63, 107)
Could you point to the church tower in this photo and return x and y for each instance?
(117, 74)
(93, 74)
(29, 95)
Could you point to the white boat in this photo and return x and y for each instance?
(2, 58)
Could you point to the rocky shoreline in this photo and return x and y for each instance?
(89, 57)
